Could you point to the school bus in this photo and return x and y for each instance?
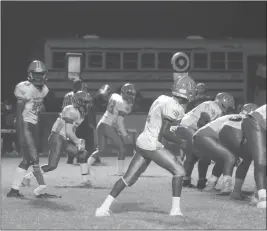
(229, 65)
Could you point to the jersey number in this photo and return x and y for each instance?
(111, 105)
(36, 107)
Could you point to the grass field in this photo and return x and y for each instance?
(143, 206)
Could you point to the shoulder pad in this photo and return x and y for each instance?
(23, 90)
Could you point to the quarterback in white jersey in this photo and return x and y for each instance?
(254, 131)
(149, 145)
(191, 122)
(30, 95)
(63, 137)
(111, 125)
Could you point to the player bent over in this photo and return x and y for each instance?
(207, 141)
(192, 121)
(230, 136)
(63, 137)
(30, 95)
(149, 147)
(111, 125)
(254, 130)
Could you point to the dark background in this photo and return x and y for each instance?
(26, 24)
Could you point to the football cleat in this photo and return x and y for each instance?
(14, 193)
(201, 184)
(226, 187)
(238, 196)
(187, 184)
(101, 212)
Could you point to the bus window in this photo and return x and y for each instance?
(130, 60)
(148, 60)
(95, 59)
(200, 60)
(217, 60)
(113, 60)
(58, 59)
(164, 60)
(235, 60)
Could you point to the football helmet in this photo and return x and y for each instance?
(201, 88)
(128, 92)
(225, 101)
(180, 62)
(184, 87)
(83, 101)
(247, 108)
(37, 72)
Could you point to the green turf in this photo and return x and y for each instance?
(143, 206)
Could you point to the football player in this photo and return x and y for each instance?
(191, 122)
(150, 145)
(111, 125)
(254, 131)
(63, 137)
(222, 141)
(30, 95)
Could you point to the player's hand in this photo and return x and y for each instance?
(127, 139)
(173, 129)
(81, 145)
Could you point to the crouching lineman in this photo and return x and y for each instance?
(149, 146)
(222, 141)
(30, 95)
(111, 125)
(63, 138)
(254, 131)
(191, 122)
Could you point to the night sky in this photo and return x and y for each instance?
(26, 24)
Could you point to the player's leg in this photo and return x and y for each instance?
(203, 166)
(255, 136)
(19, 174)
(101, 141)
(31, 136)
(116, 139)
(185, 136)
(167, 160)
(82, 157)
(211, 148)
(136, 167)
(215, 175)
(56, 146)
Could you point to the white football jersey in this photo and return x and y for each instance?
(260, 115)
(163, 107)
(34, 97)
(191, 118)
(217, 124)
(116, 107)
(71, 114)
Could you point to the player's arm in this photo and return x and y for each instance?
(120, 123)
(22, 97)
(204, 115)
(171, 116)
